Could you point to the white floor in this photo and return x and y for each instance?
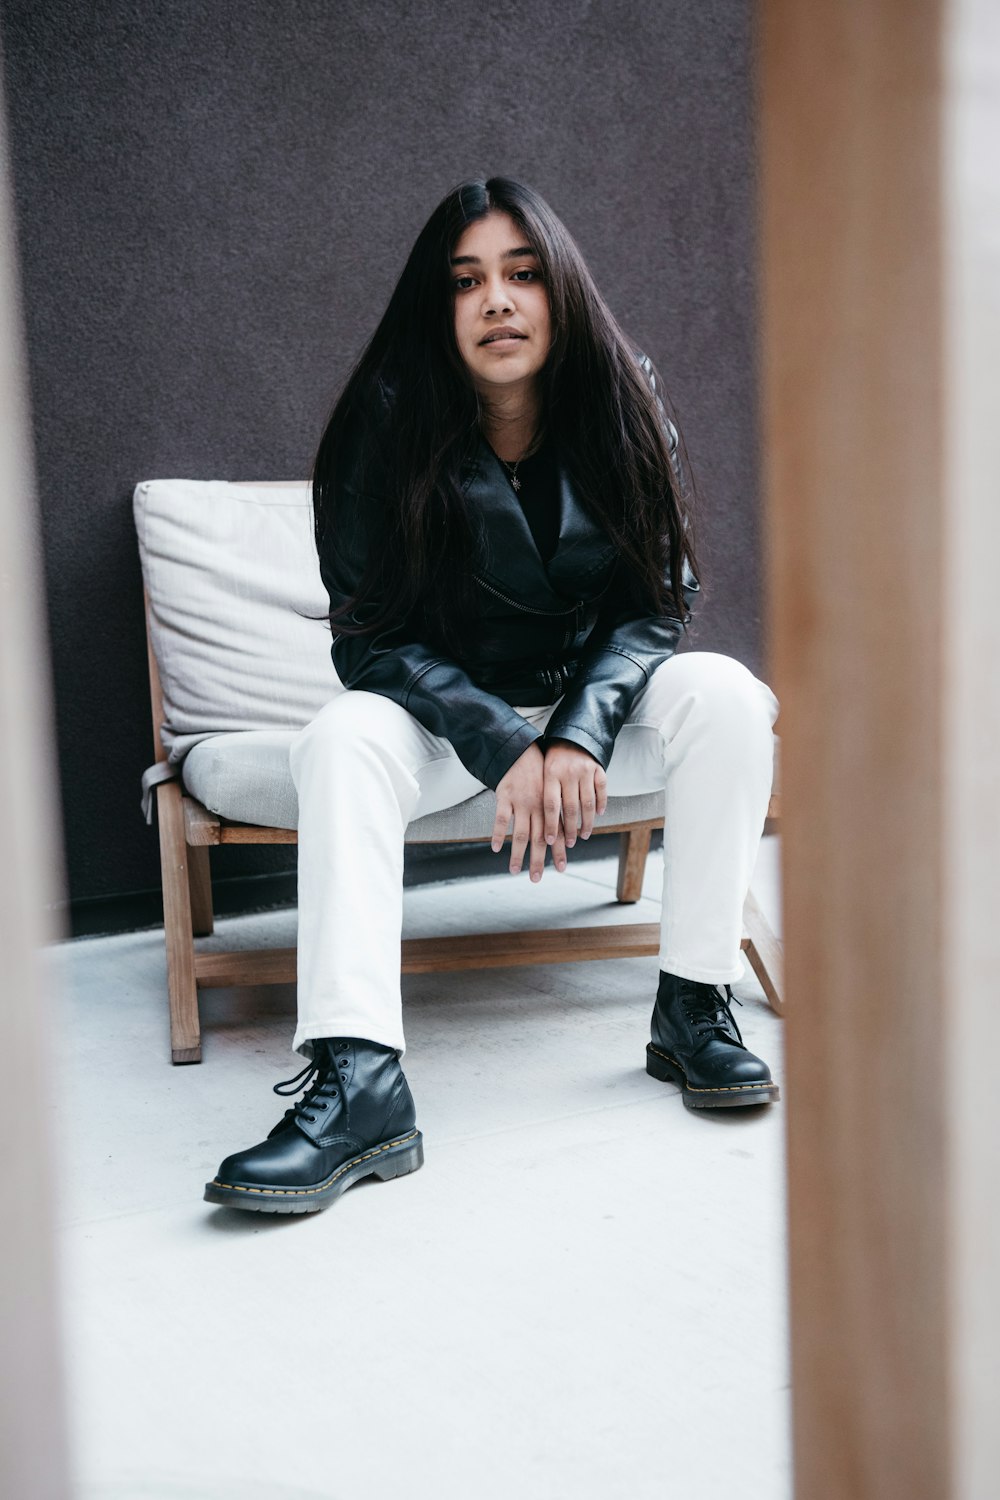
(581, 1294)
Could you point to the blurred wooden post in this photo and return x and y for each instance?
(33, 1456)
(881, 302)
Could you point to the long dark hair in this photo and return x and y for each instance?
(408, 419)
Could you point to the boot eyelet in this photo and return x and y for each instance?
(344, 1077)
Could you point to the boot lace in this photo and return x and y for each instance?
(319, 1080)
(709, 1009)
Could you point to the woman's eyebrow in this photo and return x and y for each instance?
(515, 254)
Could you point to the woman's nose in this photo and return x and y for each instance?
(497, 300)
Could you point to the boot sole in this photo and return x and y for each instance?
(389, 1159)
(731, 1096)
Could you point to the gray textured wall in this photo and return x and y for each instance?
(214, 200)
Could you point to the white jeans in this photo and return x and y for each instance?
(700, 731)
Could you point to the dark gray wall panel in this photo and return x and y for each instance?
(214, 200)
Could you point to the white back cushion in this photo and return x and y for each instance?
(226, 567)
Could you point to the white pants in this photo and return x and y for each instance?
(700, 731)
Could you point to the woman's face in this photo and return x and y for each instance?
(502, 324)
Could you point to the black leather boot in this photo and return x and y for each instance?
(356, 1119)
(697, 1043)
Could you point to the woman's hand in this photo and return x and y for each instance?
(521, 795)
(535, 791)
(576, 783)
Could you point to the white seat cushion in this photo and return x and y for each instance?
(246, 778)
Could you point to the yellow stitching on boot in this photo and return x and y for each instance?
(235, 1187)
(724, 1088)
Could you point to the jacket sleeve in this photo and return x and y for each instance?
(625, 647)
(487, 733)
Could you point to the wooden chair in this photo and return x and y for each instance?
(188, 830)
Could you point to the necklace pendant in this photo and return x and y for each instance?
(516, 483)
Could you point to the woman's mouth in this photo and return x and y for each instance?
(503, 335)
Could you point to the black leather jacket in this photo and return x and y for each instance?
(569, 630)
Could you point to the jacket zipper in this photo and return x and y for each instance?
(527, 608)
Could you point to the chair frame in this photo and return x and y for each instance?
(188, 830)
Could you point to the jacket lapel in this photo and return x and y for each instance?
(584, 552)
(511, 561)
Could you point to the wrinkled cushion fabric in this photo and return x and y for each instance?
(230, 570)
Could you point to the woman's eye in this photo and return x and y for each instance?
(526, 275)
(462, 283)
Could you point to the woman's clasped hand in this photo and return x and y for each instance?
(551, 796)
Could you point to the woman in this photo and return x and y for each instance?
(499, 509)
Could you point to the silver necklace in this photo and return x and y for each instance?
(515, 483)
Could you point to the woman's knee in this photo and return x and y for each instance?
(718, 685)
(353, 719)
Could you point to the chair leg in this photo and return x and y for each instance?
(185, 1028)
(765, 953)
(200, 871)
(633, 849)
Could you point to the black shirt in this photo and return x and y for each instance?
(538, 477)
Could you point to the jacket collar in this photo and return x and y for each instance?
(510, 559)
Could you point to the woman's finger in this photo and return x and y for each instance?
(538, 845)
(551, 806)
(571, 809)
(500, 825)
(601, 790)
(588, 806)
(522, 832)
